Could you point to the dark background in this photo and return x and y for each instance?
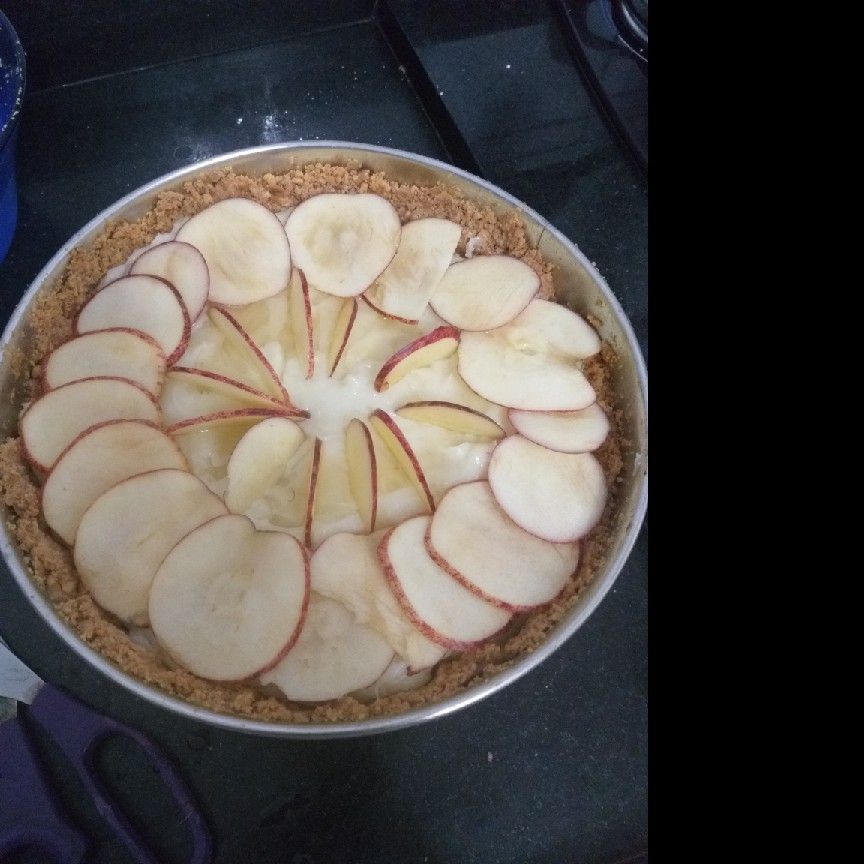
(554, 768)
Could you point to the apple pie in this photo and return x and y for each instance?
(312, 446)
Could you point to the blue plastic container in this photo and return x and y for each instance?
(12, 81)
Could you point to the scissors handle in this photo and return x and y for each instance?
(30, 817)
(78, 731)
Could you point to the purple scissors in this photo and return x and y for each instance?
(30, 814)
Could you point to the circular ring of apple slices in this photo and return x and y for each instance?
(445, 593)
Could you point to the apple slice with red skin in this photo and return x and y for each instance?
(342, 243)
(333, 656)
(300, 312)
(181, 265)
(484, 292)
(388, 431)
(436, 603)
(263, 376)
(558, 497)
(396, 678)
(119, 352)
(259, 460)
(246, 250)
(362, 471)
(57, 418)
(426, 248)
(228, 602)
(341, 332)
(564, 431)
(224, 418)
(98, 459)
(314, 469)
(438, 344)
(144, 303)
(472, 538)
(189, 393)
(532, 363)
(127, 531)
(345, 567)
(455, 418)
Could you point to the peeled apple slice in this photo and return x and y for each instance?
(97, 460)
(259, 460)
(426, 248)
(442, 608)
(127, 532)
(532, 363)
(484, 292)
(345, 567)
(555, 496)
(56, 419)
(245, 248)
(145, 303)
(228, 602)
(565, 431)
(342, 243)
(117, 353)
(472, 538)
(183, 266)
(333, 655)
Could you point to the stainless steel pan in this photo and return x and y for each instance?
(577, 284)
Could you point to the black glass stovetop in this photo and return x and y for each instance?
(554, 768)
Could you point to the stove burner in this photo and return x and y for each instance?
(631, 19)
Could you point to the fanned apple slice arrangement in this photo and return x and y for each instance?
(325, 494)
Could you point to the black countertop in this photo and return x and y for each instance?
(554, 768)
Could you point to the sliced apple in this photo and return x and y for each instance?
(260, 373)
(191, 393)
(345, 319)
(259, 460)
(314, 468)
(472, 538)
(342, 243)
(386, 428)
(245, 248)
(144, 303)
(439, 344)
(555, 496)
(333, 655)
(228, 602)
(56, 419)
(300, 311)
(362, 471)
(396, 678)
(484, 292)
(128, 530)
(436, 603)
(532, 363)
(183, 266)
(237, 416)
(345, 567)
(455, 418)
(98, 459)
(565, 431)
(426, 247)
(116, 353)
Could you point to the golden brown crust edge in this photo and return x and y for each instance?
(50, 563)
